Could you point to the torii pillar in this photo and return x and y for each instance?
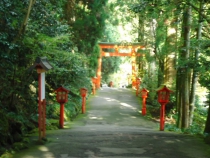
(133, 62)
(98, 73)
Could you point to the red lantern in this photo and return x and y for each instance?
(163, 95)
(144, 93)
(83, 92)
(111, 84)
(163, 99)
(62, 98)
(62, 95)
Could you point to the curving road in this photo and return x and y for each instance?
(113, 128)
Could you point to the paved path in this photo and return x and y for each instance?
(113, 128)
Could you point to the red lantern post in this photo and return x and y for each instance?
(94, 81)
(83, 93)
(163, 99)
(42, 119)
(144, 93)
(62, 98)
(138, 82)
(111, 84)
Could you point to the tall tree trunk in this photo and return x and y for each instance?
(179, 97)
(207, 127)
(195, 72)
(185, 72)
(161, 67)
(141, 40)
(178, 79)
(141, 28)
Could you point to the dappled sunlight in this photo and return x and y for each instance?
(123, 104)
(133, 117)
(169, 141)
(111, 99)
(43, 148)
(178, 140)
(94, 118)
(128, 115)
(45, 153)
(127, 105)
(140, 111)
(48, 154)
(124, 114)
(120, 89)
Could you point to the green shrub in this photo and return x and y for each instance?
(4, 128)
(172, 127)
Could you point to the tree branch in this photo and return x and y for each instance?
(24, 24)
(202, 14)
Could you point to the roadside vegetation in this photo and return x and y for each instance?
(67, 34)
(176, 36)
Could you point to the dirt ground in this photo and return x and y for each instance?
(113, 127)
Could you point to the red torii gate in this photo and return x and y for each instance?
(118, 49)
